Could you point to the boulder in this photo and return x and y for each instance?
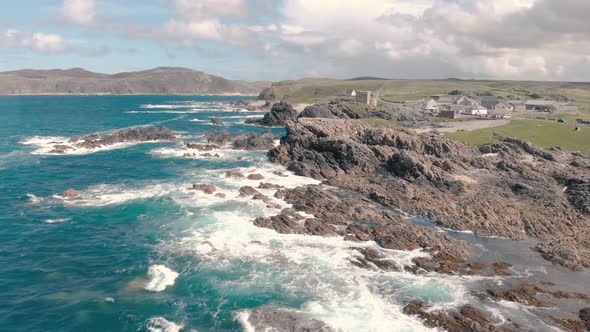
(206, 188)
(255, 177)
(70, 193)
(248, 191)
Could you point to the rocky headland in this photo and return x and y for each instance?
(511, 190)
(376, 181)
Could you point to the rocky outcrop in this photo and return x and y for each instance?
(267, 94)
(332, 110)
(206, 188)
(201, 147)
(467, 318)
(251, 141)
(278, 116)
(513, 190)
(271, 318)
(356, 218)
(120, 136)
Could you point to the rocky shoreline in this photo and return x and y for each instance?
(510, 190)
(128, 135)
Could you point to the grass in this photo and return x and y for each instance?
(539, 132)
(319, 90)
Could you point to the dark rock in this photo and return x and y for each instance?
(220, 195)
(516, 193)
(278, 116)
(255, 177)
(248, 191)
(468, 318)
(584, 315)
(249, 141)
(270, 318)
(265, 185)
(201, 147)
(525, 294)
(126, 135)
(233, 174)
(70, 193)
(253, 141)
(206, 188)
(217, 121)
(218, 136)
(267, 94)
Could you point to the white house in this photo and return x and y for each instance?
(431, 106)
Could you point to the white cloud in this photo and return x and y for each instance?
(206, 9)
(81, 12)
(38, 41)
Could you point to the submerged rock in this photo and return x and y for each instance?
(71, 193)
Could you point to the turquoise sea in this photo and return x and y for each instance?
(140, 252)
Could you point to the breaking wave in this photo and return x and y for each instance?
(161, 277)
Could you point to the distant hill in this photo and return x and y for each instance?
(368, 78)
(161, 80)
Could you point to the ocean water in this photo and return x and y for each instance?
(140, 252)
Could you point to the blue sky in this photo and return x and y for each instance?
(287, 39)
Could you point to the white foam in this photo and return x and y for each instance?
(46, 144)
(342, 294)
(160, 324)
(161, 277)
(107, 194)
(163, 106)
(56, 221)
(242, 317)
(33, 199)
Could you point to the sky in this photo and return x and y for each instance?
(291, 39)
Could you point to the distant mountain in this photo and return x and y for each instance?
(161, 80)
(368, 78)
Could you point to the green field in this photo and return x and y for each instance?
(320, 90)
(543, 133)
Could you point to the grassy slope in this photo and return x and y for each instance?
(542, 133)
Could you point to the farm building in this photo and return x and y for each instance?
(489, 102)
(504, 107)
(366, 97)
